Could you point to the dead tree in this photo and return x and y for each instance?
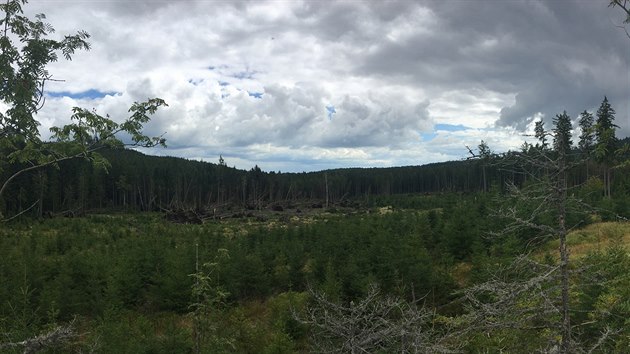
(624, 5)
(535, 296)
(376, 324)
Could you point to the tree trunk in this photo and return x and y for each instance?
(561, 197)
(564, 273)
(608, 181)
(326, 181)
(485, 183)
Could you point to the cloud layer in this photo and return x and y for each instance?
(306, 85)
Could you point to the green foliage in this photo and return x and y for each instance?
(109, 267)
(23, 71)
(591, 191)
(606, 146)
(132, 332)
(541, 134)
(603, 305)
(23, 68)
(209, 301)
(587, 134)
(562, 133)
(484, 150)
(283, 308)
(127, 276)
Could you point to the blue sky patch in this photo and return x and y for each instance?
(451, 127)
(428, 136)
(224, 83)
(330, 111)
(255, 94)
(91, 94)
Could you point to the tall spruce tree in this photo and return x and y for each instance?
(562, 133)
(605, 129)
(587, 136)
(606, 145)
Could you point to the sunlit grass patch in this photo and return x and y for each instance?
(594, 237)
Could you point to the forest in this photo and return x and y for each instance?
(108, 250)
(138, 182)
(426, 267)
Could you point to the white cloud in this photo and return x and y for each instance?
(391, 71)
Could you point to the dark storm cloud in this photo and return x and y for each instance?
(552, 55)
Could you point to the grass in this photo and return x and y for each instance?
(594, 237)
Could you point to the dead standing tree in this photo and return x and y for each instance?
(529, 295)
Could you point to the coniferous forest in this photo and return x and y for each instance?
(108, 250)
(138, 182)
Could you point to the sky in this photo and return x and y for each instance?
(297, 86)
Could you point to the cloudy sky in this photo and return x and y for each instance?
(308, 85)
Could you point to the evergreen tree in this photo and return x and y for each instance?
(562, 133)
(485, 154)
(605, 130)
(587, 136)
(606, 145)
(541, 134)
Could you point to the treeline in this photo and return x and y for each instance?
(135, 181)
(141, 182)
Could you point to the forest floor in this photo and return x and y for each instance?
(286, 213)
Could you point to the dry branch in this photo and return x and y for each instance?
(44, 341)
(376, 324)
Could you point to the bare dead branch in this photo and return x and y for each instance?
(41, 342)
(606, 334)
(375, 324)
